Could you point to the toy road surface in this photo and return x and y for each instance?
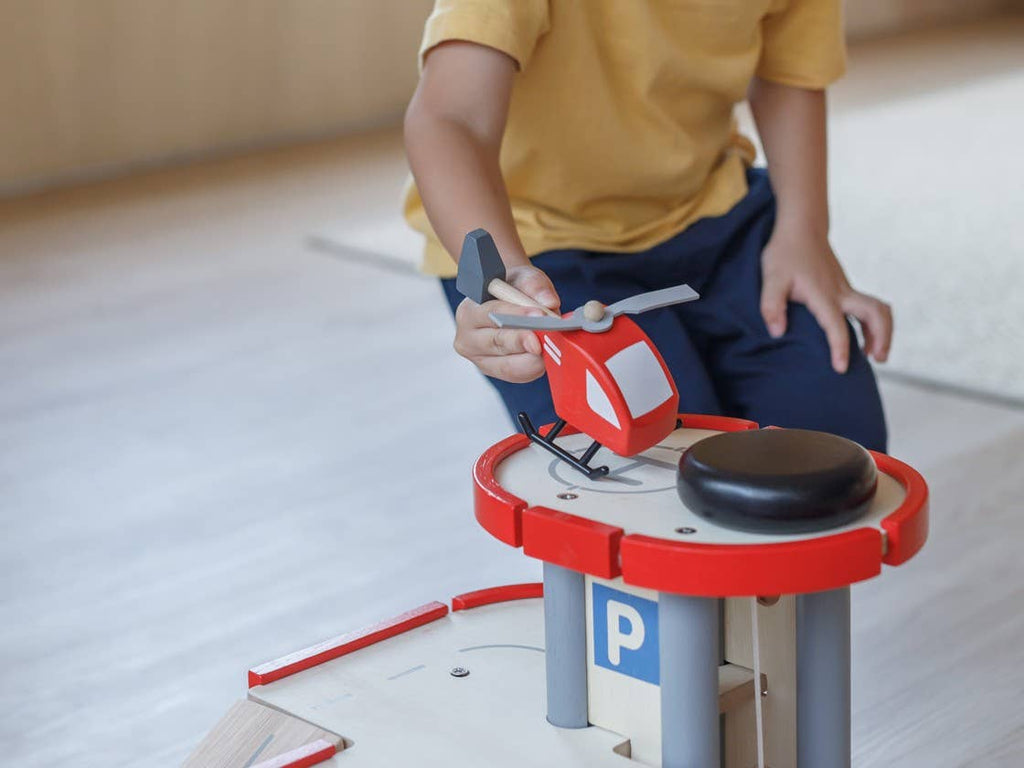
(397, 702)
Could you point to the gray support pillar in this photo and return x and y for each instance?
(689, 653)
(823, 679)
(565, 643)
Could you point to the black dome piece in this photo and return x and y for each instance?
(777, 480)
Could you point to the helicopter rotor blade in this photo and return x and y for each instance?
(530, 323)
(643, 302)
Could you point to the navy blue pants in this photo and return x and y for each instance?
(718, 349)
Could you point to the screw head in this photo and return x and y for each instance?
(459, 672)
(686, 530)
(568, 496)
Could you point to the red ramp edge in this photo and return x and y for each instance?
(497, 510)
(345, 644)
(493, 595)
(572, 542)
(906, 528)
(735, 570)
(301, 757)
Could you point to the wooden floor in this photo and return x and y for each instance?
(217, 446)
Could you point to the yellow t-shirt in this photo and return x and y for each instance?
(620, 131)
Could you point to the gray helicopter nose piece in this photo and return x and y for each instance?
(479, 264)
(593, 326)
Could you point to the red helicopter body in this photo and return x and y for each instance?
(613, 386)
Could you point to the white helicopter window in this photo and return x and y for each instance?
(598, 401)
(639, 375)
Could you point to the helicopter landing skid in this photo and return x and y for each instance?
(547, 442)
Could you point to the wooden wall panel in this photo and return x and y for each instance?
(865, 18)
(89, 86)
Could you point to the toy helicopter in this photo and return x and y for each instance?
(607, 378)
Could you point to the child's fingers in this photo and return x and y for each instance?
(534, 283)
(504, 353)
(505, 341)
(875, 317)
(517, 369)
(470, 316)
(774, 296)
(478, 343)
(833, 322)
(869, 338)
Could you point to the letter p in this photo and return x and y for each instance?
(630, 637)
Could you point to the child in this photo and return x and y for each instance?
(598, 138)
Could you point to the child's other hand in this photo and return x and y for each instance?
(801, 267)
(504, 353)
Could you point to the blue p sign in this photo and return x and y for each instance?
(625, 633)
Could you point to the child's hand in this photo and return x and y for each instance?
(800, 267)
(504, 353)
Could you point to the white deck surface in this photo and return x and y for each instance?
(639, 493)
(492, 717)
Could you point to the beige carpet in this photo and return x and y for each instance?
(927, 195)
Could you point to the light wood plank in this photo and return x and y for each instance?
(96, 87)
(777, 640)
(252, 733)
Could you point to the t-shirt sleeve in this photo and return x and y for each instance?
(803, 43)
(510, 26)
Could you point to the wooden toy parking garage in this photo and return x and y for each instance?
(628, 657)
(635, 637)
(695, 606)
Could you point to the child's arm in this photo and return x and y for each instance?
(453, 131)
(798, 263)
